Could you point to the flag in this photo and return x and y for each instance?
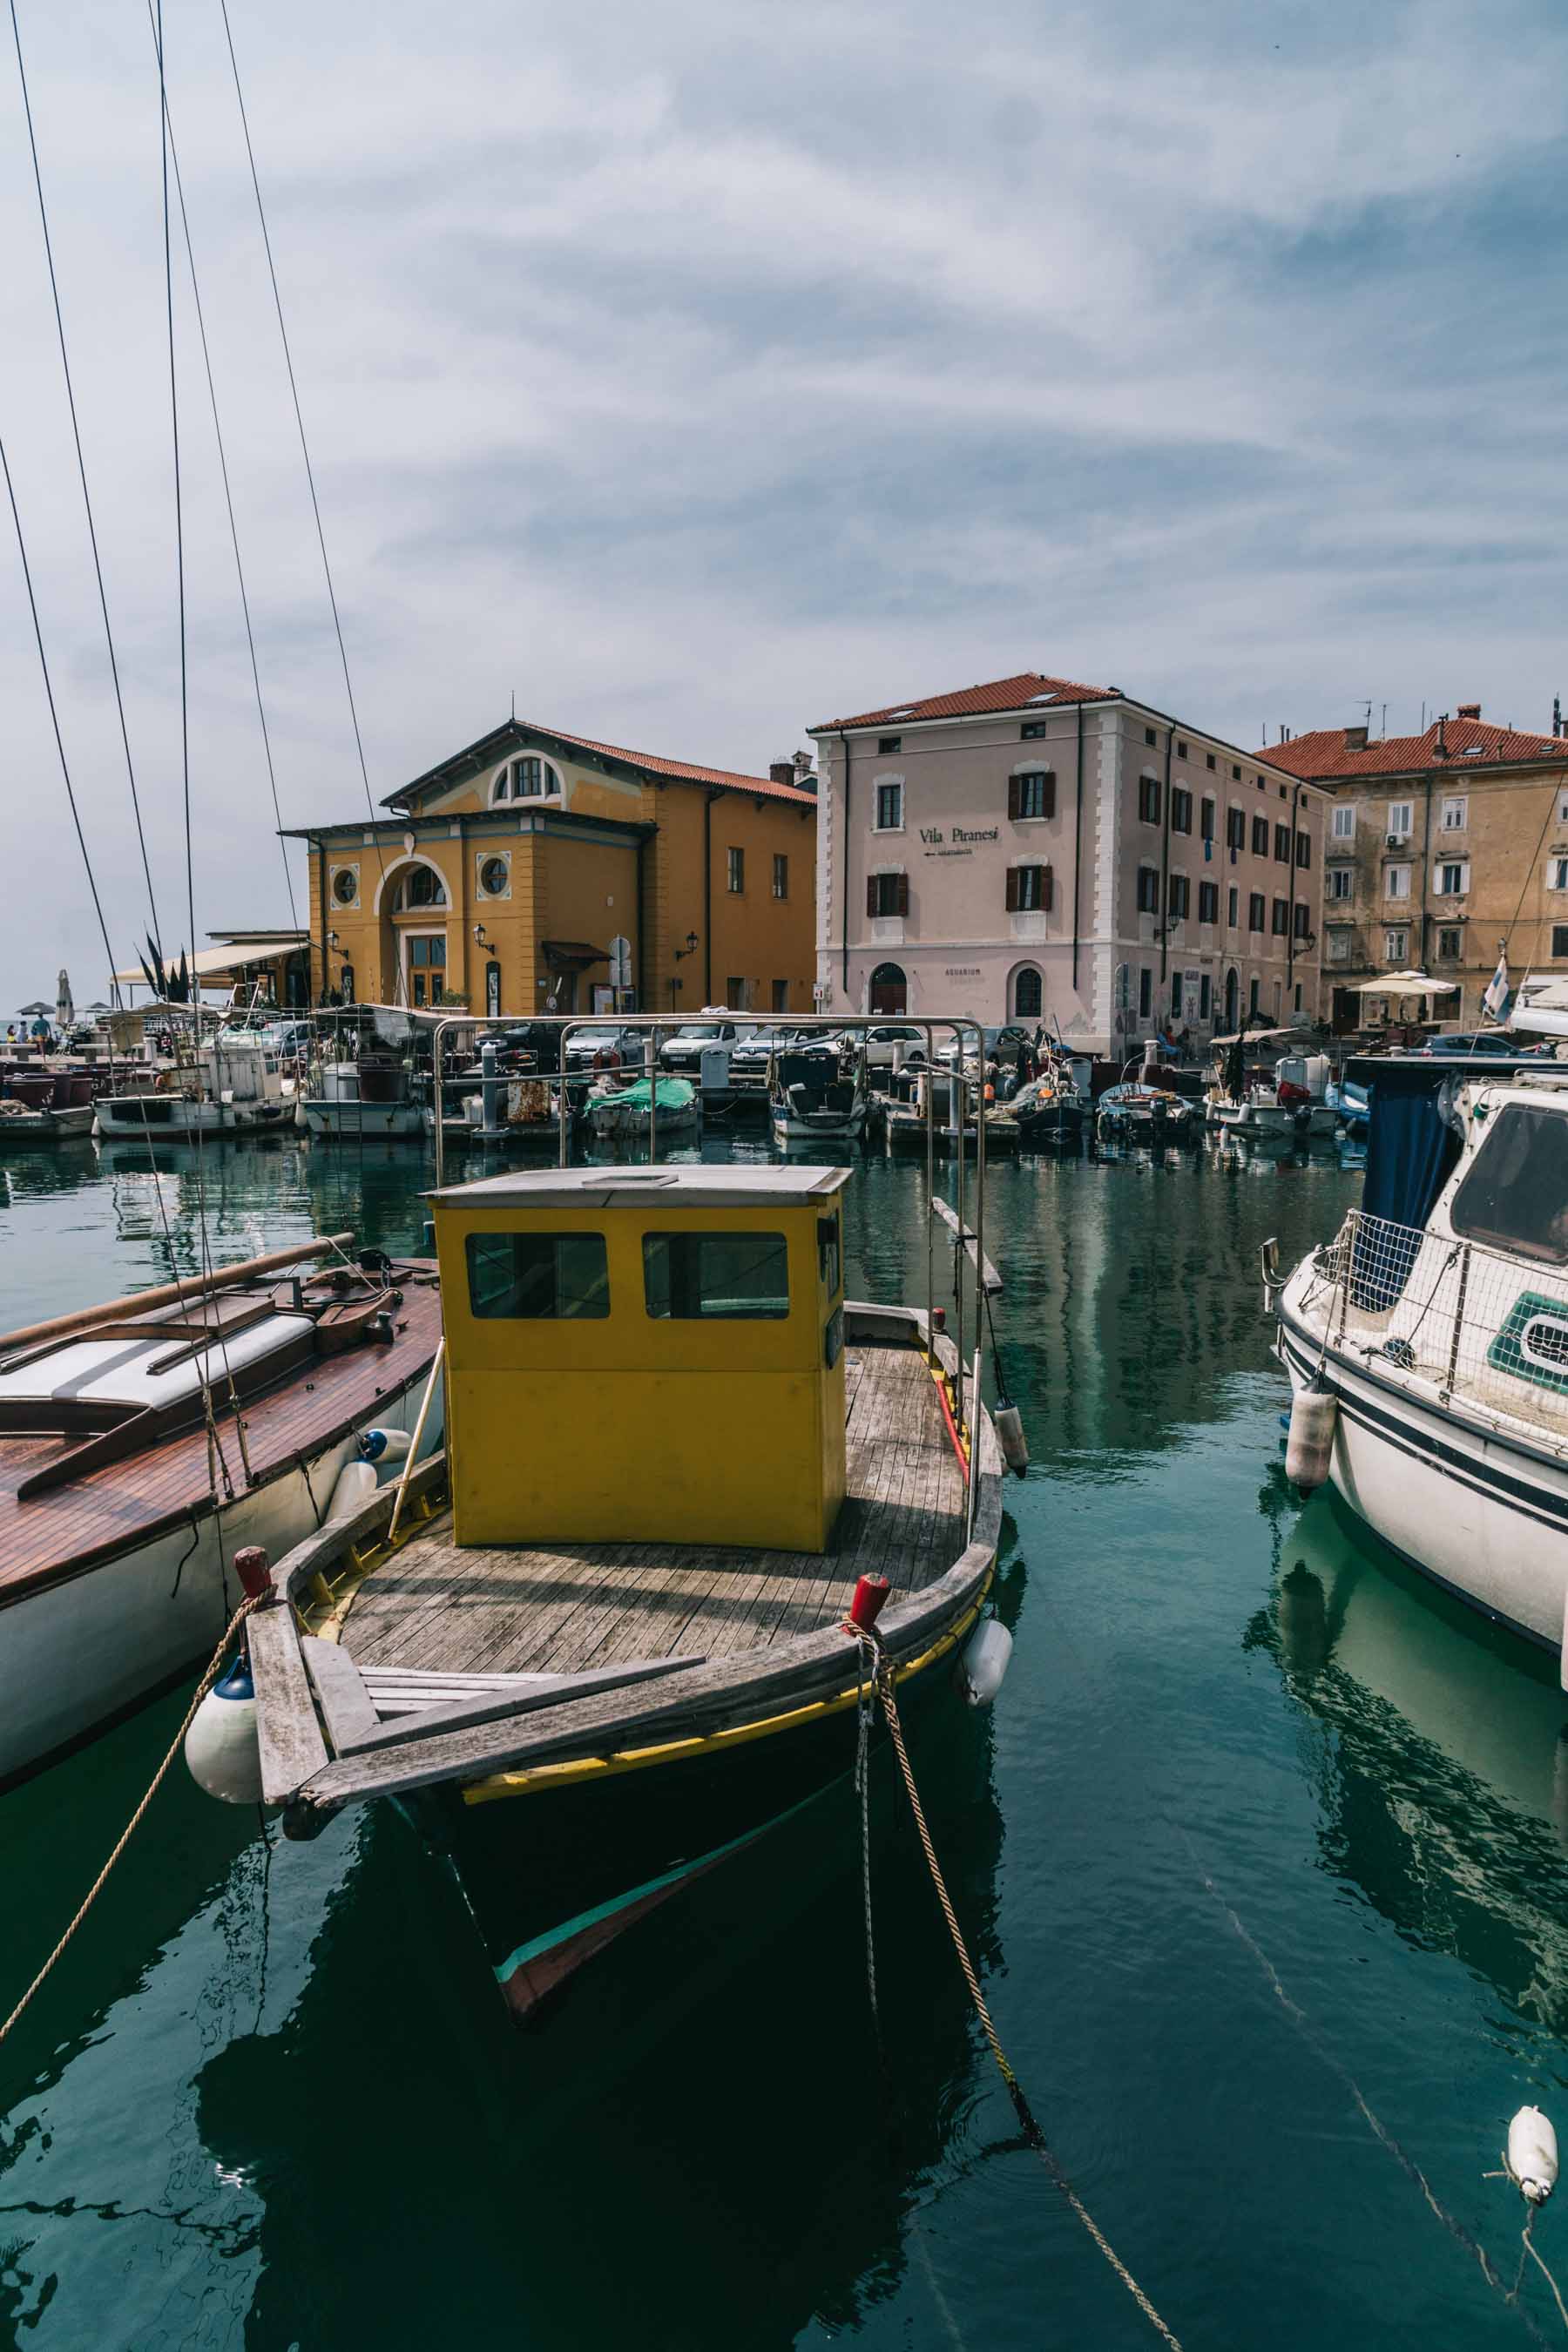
(1499, 995)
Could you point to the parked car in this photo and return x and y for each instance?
(1476, 1041)
(588, 1049)
(753, 1047)
(683, 1052)
(882, 1041)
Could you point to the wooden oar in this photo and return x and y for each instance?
(195, 1285)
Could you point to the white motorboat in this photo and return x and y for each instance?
(812, 1099)
(1432, 1334)
(228, 1085)
(143, 1442)
(1267, 1095)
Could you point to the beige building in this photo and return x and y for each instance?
(1034, 849)
(1440, 847)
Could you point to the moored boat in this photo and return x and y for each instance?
(1146, 1109)
(657, 1663)
(814, 1098)
(624, 1113)
(1428, 1342)
(228, 1085)
(141, 1442)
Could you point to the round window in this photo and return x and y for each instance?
(494, 876)
(345, 885)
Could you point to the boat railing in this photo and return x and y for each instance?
(961, 1029)
(1473, 1321)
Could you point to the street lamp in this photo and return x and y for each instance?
(688, 949)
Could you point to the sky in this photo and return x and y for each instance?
(696, 373)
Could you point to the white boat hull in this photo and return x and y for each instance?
(1481, 1512)
(165, 1117)
(833, 1127)
(1276, 1119)
(79, 1654)
(348, 1122)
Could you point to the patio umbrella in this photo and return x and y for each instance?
(65, 1011)
(37, 1005)
(1404, 984)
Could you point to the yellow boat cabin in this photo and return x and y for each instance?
(647, 1355)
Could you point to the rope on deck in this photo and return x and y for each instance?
(207, 1680)
(882, 1673)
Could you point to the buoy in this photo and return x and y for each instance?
(1311, 1444)
(1009, 1426)
(357, 1482)
(1533, 2155)
(983, 1661)
(384, 1445)
(222, 1749)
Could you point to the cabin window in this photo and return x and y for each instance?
(537, 1277)
(725, 1277)
(1513, 1197)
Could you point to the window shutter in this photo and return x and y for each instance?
(1048, 805)
(1014, 798)
(904, 881)
(1012, 889)
(871, 908)
(1047, 886)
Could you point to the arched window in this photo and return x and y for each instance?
(890, 988)
(1029, 995)
(528, 779)
(420, 886)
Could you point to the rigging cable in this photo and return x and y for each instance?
(86, 496)
(305, 453)
(222, 470)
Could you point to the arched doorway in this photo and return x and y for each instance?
(1232, 1001)
(1028, 992)
(412, 904)
(890, 988)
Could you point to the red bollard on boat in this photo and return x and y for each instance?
(871, 1591)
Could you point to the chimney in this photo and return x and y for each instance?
(1356, 739)
(781, 772)
(1557, 714)
(1469, 710)
(1440, 748)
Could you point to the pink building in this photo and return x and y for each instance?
(1033, 849)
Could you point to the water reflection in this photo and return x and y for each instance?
(1444, 1783)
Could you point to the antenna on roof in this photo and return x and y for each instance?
(1383, 724)
(514, 706)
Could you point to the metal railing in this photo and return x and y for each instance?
(963, 1029)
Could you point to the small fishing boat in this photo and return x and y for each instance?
(813, 1098)
(1348, 1103)
(1428, 1342)
(643, 1669)
(228, 1085)
(1145, 1109)
(1049, 1108)
(143, 1440)
(623, 1113)
(345, 1101)
(47, 1106)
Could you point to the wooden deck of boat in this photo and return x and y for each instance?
(110, 1510)
(566, 1608)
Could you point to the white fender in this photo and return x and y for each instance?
(984, 1662)
(1309, 1449)
(223, 1748)
(387, 1446)
(1008, 1423)
(357, 1482)
(1532, 2154)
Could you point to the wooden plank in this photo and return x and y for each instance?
(347, 1708)
(990, 1280)
(546, 1690)
(292, 1748)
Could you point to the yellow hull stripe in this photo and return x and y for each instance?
(537, 1778)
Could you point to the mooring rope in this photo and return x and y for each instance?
(207, 1680)
(882, 1671)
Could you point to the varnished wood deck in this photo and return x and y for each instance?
(110, 1510)
(573, 1607)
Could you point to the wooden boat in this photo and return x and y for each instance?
(812, 1100)
(1048, 1108)
(593, 1683)
(122, 1503)
(21, 1123)
(1145, 1109)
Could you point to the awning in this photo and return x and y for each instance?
(208, 960)
(571, 955)
(1260, 1036)
(1401, 984)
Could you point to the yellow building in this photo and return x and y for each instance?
(542, 872)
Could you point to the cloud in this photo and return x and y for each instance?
(693, 371)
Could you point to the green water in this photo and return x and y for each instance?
(1260, 1827)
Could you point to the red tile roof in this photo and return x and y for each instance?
(515, 734)
(1029, 686)
(1469, 744)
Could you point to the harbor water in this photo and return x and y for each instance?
(1261, 1855)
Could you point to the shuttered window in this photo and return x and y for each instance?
(886, 893)
(1032, 794)
(1029, 889)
